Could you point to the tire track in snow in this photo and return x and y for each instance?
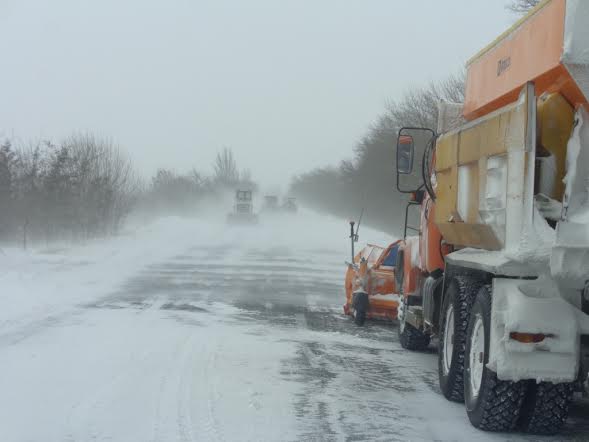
(323, 415)
(183, 391)
(212, 395)
(165, 382)
(195, 382)
(85, 410)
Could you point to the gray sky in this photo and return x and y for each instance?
(289, 85)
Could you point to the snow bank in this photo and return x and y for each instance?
(45, 281)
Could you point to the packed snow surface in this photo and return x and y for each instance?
(186, 330)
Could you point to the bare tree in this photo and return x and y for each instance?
(419, 107)
(7, 171)
(83, 187)
(246, 180)
(522, 6)
(225, 168)
(105, 183)
(185, 193)
(368, 182)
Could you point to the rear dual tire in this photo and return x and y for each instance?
(454, 317)
(491, 404)
(413, 339)
(546, 407)
(495, 405)
(410, 337)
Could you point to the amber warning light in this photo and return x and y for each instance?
(405, 139)
(529, 338)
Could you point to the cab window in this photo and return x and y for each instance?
(391, 259)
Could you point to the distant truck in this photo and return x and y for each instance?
(271, 203)
(243, 209)
(290, 205)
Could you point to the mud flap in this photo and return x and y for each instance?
(533, 306)
(360, 301)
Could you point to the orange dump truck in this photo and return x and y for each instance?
(500, 270)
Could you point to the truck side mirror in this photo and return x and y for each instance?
(405, 154)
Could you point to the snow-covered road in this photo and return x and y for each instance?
(187, 331)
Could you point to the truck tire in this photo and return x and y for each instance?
(413, 339)
(452, 344)
(410, 337)
(491, 404)
(359, 317)
(546, 407)
(360, 304)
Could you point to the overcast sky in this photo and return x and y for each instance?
(287, 84)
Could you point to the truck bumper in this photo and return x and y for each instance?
(534, 307)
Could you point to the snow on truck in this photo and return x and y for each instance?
(500, 269)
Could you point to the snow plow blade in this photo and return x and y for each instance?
(372, 275)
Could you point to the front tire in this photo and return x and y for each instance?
(359, 317)
(491, 404)
(413, 339)
(546, 407)
(452, 344)
(360, 305)
(410, 337)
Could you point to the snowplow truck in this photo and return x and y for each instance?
(499, 196)
(243, 209)
(271, 203)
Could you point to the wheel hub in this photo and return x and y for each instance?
(477, 355)
(448, 339)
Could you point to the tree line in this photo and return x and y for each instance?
(86, 187)
(367, 181)
(81, 188)
(176, 193)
